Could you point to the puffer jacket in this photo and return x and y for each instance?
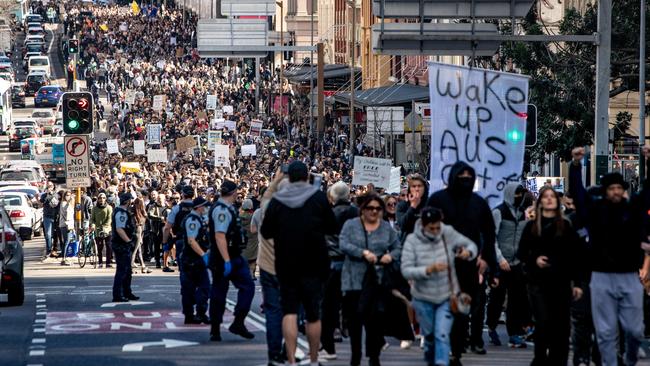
(419, 252)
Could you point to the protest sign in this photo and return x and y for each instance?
(214, 139)
(227, 109)
(185, 143)
(477, 116)
(130, 167)
(395, 184)
(249, 150)
(211, 102)
(371, 170)
(158, 102)
(537, 183)
(157, 155)
(130, 97)
(221, 155)
(153, 134)
(112, 146)
(256, 128)
(218, 123)
(138, 147)
(231, 125)
(218, 113)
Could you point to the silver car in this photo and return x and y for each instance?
(12, 279)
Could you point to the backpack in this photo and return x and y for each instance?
(184, 210)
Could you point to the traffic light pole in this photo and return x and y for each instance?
(600, 165)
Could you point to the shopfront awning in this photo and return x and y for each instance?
(384, 96)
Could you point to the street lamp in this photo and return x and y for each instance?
(281, 5)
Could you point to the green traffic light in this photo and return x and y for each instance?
(515, 136)
(73, 125)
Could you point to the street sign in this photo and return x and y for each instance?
(77, 157)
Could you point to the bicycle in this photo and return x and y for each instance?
(87, 249)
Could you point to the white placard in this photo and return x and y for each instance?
(218, 113)
(227, 109)
(113, 146)
(371, 170)
(158, 101)
(211, 102)
(157, 155)
(256, 128)
(138, 147)
(231, 125)
(153, 134)
(222, 155)
(130, 97)
(479, 117)
(214, 139)
(249, 150)
(395, 184)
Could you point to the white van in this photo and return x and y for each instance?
(39, 63)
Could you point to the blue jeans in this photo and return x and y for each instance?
(48, 230)
(435, 325)
(273, 314)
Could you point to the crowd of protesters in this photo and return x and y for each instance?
(338, 261)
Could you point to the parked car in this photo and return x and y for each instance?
(12, 283)
(35, 81)
(18, 95)
(48, 96)
(18, 134)
(44, 117)
(25, 218)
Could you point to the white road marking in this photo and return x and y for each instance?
(39, 330)
(132, 303)
(38, 340)
(38, 352)
(40, 300)
(41, 306)
(168, 343)
(39, 321)
(41, 313)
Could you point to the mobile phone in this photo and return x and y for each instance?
(316, 179)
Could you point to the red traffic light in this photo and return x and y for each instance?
(83, 103)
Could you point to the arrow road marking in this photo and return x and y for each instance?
(132, 303)
(168, 343)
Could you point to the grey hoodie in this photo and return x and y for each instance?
(419, 252)
(294, 195)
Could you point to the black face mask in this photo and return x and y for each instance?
(518, 201)
(568, 211)
(466, 184)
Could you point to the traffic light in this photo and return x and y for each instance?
(77, 113)
(531, 126)
(73, 46)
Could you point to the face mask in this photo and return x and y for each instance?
(434, 238)
(518, 201)
(466, 183)
(568, 211)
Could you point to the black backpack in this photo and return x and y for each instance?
(184, 210)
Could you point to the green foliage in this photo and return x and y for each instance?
(622, 124)
(562, 82)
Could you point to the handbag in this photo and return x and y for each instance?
(459, 302)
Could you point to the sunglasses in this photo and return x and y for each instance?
(373, 208)
(391, 204)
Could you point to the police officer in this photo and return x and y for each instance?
(123, 238)
(228, 265)
(195, 282)
(174, 223)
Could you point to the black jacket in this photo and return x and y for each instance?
(299, 236)
(615, 230)
(343, 211)
(470, 215)
(407, 220)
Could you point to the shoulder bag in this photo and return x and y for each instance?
(459, 302)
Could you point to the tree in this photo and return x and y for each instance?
(563, 74)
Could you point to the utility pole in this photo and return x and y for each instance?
(642, 92)
(280, 4)
(353, 42)
(311, 77)
(321, 95)
(600, 165)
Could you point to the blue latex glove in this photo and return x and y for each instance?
(206, 258)
(227, 268)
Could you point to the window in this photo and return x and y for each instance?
(39, 62)
(11, 200)
(17, 175)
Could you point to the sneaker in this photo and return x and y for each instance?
(191, 319)
(168, 270)
(421, 342)
(517, 342)
(322, 354)
(385, 346)
(454, 361)
(215, 336)
(109, 266)
(494, 337)
(405, 344)
(338, 337)
(65, 263)
(202, 318)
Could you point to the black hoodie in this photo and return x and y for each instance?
(469, 214)
(408, 219)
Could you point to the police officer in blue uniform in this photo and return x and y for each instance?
(228, 265)
(174, 227)
(122, 243)
(195, 282)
